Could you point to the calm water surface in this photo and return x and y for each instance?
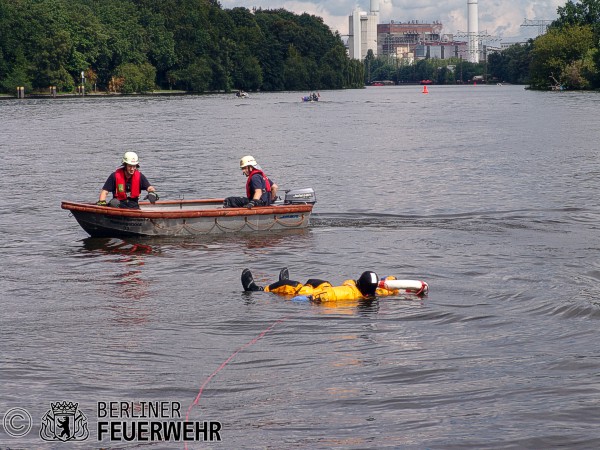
(489, 193)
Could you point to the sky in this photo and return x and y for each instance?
(501, 19)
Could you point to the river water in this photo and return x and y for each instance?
(488, 193)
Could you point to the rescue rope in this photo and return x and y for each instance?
(160, 227)
(222, 228)
(246, 223)
(258, 228)
(195, 231)
(224, 363)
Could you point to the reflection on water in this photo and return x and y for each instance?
(363, 307)
(129, 288)
(157, 245)
(118, 246)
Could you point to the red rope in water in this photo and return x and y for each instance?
(222, 366)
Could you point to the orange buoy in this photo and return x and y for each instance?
(425, 91)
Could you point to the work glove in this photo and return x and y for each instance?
(101, 203)
(251, 204)
(152, 197)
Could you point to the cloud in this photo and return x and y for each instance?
(498, 17)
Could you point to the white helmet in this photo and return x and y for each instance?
(131, 158)
(248, 161)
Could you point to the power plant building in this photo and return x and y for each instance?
(441, 50)
(411, 40)
(414, 40)
(362, 35)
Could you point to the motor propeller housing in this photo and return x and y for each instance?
(300, 196)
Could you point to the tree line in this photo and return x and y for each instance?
(131, 46)
(440, 71)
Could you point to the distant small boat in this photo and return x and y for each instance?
(426, 82)
(241, 94)
(311, 98)
(383, 83)
(193, 217)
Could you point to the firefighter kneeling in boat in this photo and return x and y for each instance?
(126, 184)
(260, 190)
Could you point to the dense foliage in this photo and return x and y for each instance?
(512, 64)
(194, 45)
(566, 57)
(439, 71)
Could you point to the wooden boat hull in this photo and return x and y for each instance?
(186, 218)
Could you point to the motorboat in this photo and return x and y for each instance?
(193, 217)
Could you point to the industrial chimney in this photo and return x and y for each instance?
(473, 31)
(375, 6)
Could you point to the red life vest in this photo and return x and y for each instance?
(250, 175)
(120, 181)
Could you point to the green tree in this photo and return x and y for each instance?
(512, 64)
(369, 63)
(333, 67)
(246, 73)
(137, 77)
(190, 44)
(195, 77)
(18, 74)
(561, 54)
(295, 73)
(355, 74)
(584, 12)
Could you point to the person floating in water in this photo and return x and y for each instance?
(368, 285)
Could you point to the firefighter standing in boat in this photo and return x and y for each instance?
(126, 184)
(260, 190)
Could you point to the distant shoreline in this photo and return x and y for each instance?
(38, 95)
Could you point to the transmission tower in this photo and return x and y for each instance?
(542, 24)
(480, 37)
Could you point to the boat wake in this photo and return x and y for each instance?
(487, 221)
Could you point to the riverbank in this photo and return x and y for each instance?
(95, 95)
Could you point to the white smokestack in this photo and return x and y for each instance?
(473, 31)
(375, 6)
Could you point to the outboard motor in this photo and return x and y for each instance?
(300, 196)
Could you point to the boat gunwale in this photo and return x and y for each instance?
(92, 208)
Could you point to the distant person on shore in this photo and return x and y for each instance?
(126, 184)
(260, 190)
